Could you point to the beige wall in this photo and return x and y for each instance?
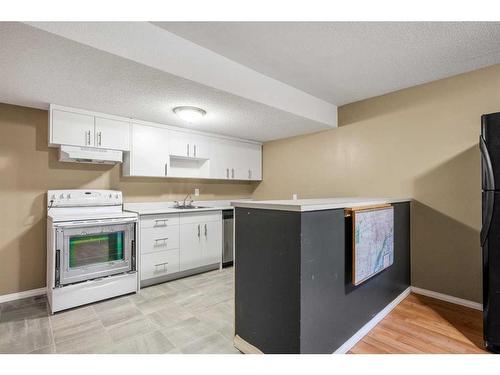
(421, 142)
(28, 168)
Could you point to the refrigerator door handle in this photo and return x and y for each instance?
(489, 203)
(485, 155)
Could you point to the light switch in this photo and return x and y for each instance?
(196, 192)
(294, 197)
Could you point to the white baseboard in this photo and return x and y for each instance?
(447, 298)
(372, 323)
(21, 295)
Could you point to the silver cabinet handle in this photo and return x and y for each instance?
(198, 230)
(232, 172)
(162, 264)
(188, 149)
(249, 174)
(227, 172)
(205, 230)
(166, 168)
(161, 239)
(99, 138)
(194, 150)
(164, 221)
(87, 137)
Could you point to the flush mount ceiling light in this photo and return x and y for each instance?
(189, 113)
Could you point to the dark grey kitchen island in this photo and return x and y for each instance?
(293, 274)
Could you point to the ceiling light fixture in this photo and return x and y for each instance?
(189, 113)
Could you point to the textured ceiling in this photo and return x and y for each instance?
(39, 68)
(342, 62)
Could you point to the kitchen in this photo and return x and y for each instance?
(159, 207)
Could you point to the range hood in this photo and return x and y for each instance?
(89, 155)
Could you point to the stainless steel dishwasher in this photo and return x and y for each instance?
(228, 234)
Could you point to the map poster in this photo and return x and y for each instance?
(373, 241)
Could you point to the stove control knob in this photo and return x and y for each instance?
(117, 196)
(61, 196)
(110, 196)
(69, 196)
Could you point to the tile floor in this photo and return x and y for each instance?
(190, 315)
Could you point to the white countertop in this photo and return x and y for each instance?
(302, 205)
(154, 208)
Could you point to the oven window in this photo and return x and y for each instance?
(95, 249)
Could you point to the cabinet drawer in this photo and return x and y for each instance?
(158, 239)
(159, 221)
(200, 217)
(159, 264)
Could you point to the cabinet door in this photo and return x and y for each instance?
(254, 161)
(189, 145)
(191, 254)
(75, 129)
(201, 146)
(112, 134)
(149, 152)
(222, 159)
(212, 242)
(240, 164)
(159, 263)
(179, 144)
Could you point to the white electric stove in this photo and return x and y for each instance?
(91, 247)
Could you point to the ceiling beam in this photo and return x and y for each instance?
(155, 47)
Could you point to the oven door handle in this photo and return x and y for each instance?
(93, 223)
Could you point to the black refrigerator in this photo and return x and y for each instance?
(489, 143)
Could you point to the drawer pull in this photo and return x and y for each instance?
(164, 221)
(161, 264)
(162, 239)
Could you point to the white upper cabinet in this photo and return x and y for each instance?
(224, 159)
(157, 150)
(112, 134)
(72, 129)
(236, 160)
(252, 165)
(148, 155)
(189, 145)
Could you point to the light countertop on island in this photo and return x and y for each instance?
(303, 205)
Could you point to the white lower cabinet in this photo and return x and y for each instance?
(212, 242)
(191, 254)
(200, 239)
(159, 263)
(158, 239)
(179, 242)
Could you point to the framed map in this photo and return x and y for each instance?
(372, 242)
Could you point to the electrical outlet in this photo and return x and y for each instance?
(196, 192)
(294, 197)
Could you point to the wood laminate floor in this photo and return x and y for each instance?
(421, 324)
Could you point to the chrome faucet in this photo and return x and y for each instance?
(186, 198)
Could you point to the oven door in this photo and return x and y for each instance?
(94, 250)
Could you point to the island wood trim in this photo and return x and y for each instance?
(244, 346)
(348, 211)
